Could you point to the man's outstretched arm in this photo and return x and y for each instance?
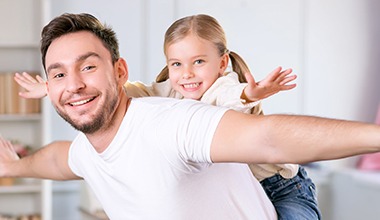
(49, 162)
(290, 139)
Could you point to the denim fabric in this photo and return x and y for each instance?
(294, 199)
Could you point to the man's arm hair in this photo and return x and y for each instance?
(49, 162)
(290, 139)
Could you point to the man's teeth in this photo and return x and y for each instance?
(80, 102)
(190, 86)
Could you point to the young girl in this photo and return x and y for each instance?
(197, 58)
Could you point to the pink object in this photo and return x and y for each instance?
(371, 161)
(377, 121)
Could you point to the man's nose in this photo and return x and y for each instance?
(74, 83)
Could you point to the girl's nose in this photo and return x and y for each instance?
(188, 73)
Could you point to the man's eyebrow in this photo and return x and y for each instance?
(78, 59)
(87, 55)
(53, 66)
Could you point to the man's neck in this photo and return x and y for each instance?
(101, 139)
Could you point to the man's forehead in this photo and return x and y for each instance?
(77, 40)
(71, 47)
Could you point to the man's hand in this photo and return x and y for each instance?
(7, 156)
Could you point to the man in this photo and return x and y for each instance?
(159, 158)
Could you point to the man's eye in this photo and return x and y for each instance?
(59, 75)
(88, 68)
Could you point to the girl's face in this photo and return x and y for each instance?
(194, 65)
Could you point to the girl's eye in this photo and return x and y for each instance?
(199, 61)
(176, 64)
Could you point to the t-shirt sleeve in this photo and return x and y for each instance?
(200, 132)
(191, 131)
(74, 152)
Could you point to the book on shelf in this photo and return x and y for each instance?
(11, 102)
(2, 94)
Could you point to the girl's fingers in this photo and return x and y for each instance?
(29, 77)
(40, 79)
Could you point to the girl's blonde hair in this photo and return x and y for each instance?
(207, 28)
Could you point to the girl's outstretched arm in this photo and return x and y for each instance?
(278, 80)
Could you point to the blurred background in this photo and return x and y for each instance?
(332, 45)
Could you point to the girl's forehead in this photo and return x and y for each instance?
(192, 39)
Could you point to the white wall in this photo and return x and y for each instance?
(341, 61)
(331, 45)
(266, 34)
(342, 54)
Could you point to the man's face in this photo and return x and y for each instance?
(82, 81)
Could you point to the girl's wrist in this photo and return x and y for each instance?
(245, 99)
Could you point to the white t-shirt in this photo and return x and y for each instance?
(225, 91)
(158, 167)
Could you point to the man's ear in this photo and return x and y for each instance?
(224, 63)
(47, 87)
(122, 70)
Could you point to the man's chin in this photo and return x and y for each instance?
(87, 128)
(79, 123)
(89, 125)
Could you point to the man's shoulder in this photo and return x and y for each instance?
(162, 101)
(171, 105)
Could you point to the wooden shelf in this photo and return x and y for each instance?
(21, 188)
(20, 117)
(19, 51)
(19, 46)
(35, 187)
(97, 215)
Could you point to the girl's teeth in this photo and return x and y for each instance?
(190, 86)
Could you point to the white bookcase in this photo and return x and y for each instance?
(22, 22)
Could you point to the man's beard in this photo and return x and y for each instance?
(95, 124)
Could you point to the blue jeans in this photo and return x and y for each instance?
(293, 199)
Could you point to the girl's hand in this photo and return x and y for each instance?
(35, 87)
(275, 82)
